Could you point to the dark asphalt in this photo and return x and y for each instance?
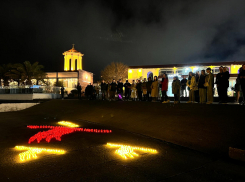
(89, 159)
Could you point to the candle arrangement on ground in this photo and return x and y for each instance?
(68, 124)
(57, 131)
(32, 152)
(126, 151)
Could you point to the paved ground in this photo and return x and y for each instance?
(199, 137)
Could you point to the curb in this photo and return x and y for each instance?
(237, 154)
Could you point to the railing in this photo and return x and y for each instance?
(28, 89)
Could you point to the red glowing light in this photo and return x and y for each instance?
(58, 131)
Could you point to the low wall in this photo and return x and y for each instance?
(29, 96)
(15, 106)
(16, 97)
(46, 96)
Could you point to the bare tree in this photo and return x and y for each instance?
(115, 71)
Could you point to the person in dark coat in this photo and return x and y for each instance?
(183, 87)
(164, 89)
(79, 90)
(127, 86)
(103, 87)
(113, 90)
(220, 85)
(144, 89)
(90, 91)
(202, 89)
(226, 77)
(94, 93)
(241, 77)
(210, 87)
(120, 90)
(176, 89)
(237, 89)
(62, 90)
(139, 90)
(188, 83)
(87, 92)
(197, 91)
(148, 86)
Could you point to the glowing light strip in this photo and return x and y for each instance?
(69, 124)
(33, 151)
(126, 151)
(58, 131)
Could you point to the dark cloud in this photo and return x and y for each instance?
(132, 32)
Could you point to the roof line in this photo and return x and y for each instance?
(187, 64)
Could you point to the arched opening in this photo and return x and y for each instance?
(76, 64)
(70, 64)
(150, 75)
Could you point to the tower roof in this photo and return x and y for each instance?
(73, 49)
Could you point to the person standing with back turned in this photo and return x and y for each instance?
(154, 89)
(148, 86)
(209, 83)
(176, 89)
(165, 89)
(183, 87)
(202, 88)
(241, 77)
(192, 84)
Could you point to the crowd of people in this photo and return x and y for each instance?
(199, 87)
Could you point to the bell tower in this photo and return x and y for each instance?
(72, 60)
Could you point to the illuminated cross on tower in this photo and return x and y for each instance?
(73, 46)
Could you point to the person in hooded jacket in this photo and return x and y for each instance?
(176, 89)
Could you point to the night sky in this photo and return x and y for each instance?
(135, 32)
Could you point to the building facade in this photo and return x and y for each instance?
(180, 70)
(73, 72)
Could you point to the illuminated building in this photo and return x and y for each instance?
(73, 71)
(180, 70)
(126, 151)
